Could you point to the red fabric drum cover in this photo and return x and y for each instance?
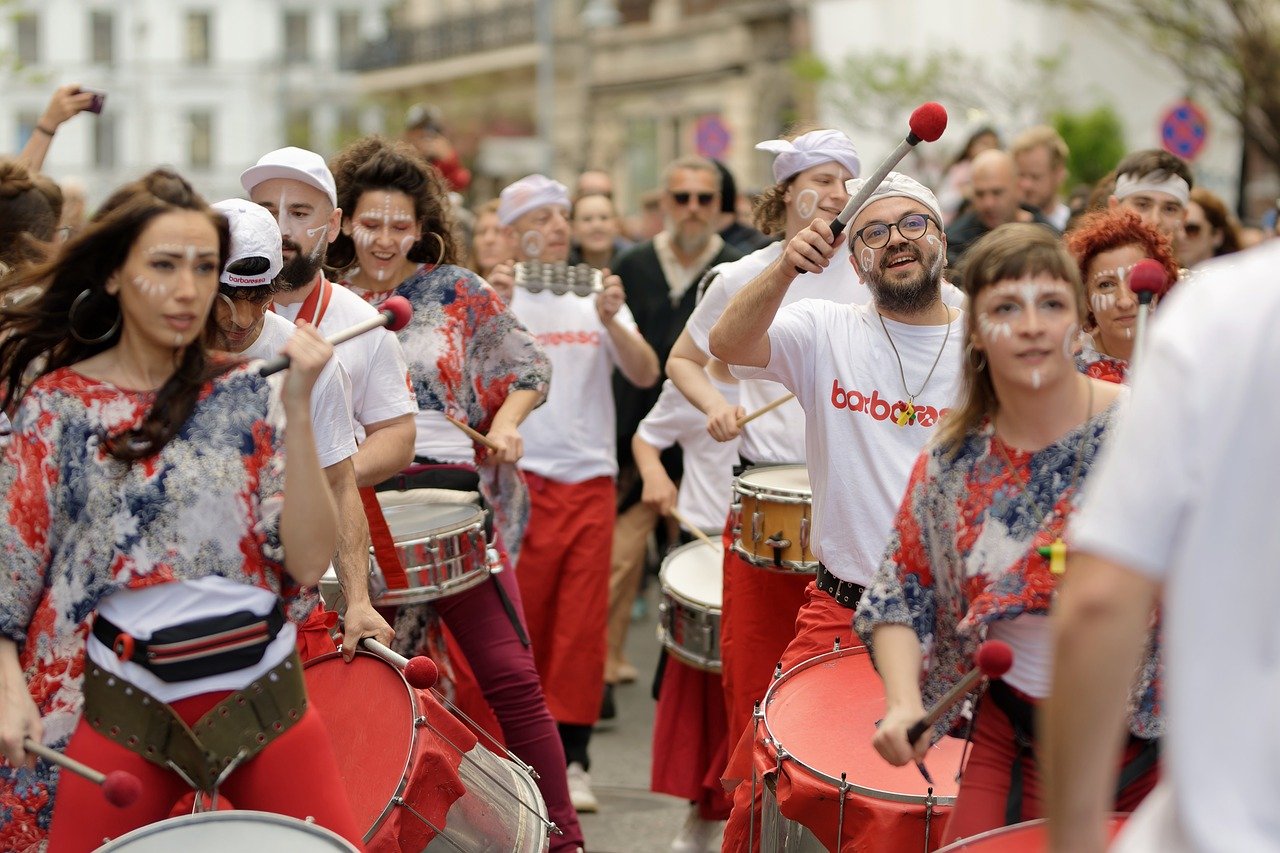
(369, 710)
(822, 714)
(1028, 837)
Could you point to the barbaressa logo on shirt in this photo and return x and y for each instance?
(551, 339)
(881, 408)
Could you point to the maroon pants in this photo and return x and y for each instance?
(296, 775)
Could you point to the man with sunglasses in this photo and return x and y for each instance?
(873, 380)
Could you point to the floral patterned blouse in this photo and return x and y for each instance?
(964, 553)
(1094, 364)
(79, 525)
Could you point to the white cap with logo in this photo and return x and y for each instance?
(294, 164)
(254, 234)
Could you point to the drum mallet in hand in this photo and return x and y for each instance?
(765, 409)
(992, 661)
(927, 123)
(120, 787)
(395, 314)
(421, 672)
(475, 435)
(692, 528)
(1147, 281)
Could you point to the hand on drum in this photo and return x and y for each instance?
(610, 300)
(510, 444)
(360, 621)
(811, 249)
(308, 354)
(890, 739)
(659, 493)
(502, 278)
(722, 421)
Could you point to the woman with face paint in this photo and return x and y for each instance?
(976, 550)
(1107, 245)
(151, 515)
(470, 360)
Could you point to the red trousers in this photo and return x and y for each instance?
(988, 773)
(820, 622)
(564, 582)
(296, 775)
(757, 621)
(690, 743)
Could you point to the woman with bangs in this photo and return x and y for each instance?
(976, 550)
(1107, 245)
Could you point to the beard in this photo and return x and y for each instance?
(913, 295)
(301, 269)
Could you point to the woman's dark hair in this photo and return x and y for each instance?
(373, 163)
(34, 336)
(1219, 219)
(966, 151)
(28, 219)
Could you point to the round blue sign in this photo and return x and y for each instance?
(1184, 130)
(711, 137)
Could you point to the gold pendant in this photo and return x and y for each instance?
(907, 415)
(1056, 553)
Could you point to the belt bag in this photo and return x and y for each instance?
(196, 649)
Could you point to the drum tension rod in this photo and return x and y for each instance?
(844, 792)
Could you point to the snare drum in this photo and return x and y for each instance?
(1029, 837)
(442, 548)
(217, 832)
(415, 776)
(692, 579)
(814, 741)
(775, 518)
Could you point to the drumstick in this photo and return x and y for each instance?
(420, 671)
(992, 660)
(684, 522)
(473, 435)
(765, 409)
(119, 787)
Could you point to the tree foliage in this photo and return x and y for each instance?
(1228, 48)
(1095, 140)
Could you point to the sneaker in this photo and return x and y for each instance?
(580, 793)
(697, 835)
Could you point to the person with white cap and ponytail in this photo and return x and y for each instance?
(873, 381)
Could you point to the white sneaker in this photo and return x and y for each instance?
(697, 835)
(580, 793)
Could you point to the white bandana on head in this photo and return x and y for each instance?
(528, 194)
(895, 185)
(1154, 182)
(811, 149)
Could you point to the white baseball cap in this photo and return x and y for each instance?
(294, 164)
(530, 193)
(254, 234)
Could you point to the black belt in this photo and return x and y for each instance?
(847, 593)
(196, 649)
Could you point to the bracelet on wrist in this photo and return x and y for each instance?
(46, 131)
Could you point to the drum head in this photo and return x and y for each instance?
(418, 521)
(695, 572)
(369, 711)
(1028, 837)
(779, 478)
(824, 711)
(217, 832)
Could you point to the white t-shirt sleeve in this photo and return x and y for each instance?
(1141, 490)
(669, 420)
(709, 308)
(331, 416)
(791, 348)
(386, 394)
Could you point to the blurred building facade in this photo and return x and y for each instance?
(206, 87)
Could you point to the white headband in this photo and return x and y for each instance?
(1155, 182)
(530, 193)
(811, 149)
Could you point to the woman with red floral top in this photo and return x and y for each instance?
(1107, 244)
(151, 527)
(972, 553)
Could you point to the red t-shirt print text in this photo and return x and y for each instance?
(551, 339)
(881, 408)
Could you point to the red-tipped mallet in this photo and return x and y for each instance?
(421, 672)
(992, 661)
(120, 787)
(395, 314)
(1147, 281)
(927, 123)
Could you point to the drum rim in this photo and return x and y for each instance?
(413, 737)
(224, 816)
(475, 519)
(684, 599)
(759, 489)
(787, 567)
(704, 664)
(874, 793)
(470, 528)
(425, 594)
(961, 843)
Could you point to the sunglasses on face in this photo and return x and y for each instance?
(704, 199)
(911, 227)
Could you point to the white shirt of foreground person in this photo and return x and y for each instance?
(1185, 496)
(840, 365)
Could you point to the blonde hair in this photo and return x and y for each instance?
(1042, 135)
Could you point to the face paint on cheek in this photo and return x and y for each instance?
(1100, 302)
(940, 258)
(993, 330)
(806, 203)
(147, 287)
(866, 259)
(532, 244)
(406, 243)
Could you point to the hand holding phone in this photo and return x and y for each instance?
(96, 102)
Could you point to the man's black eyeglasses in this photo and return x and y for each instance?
(911, 227)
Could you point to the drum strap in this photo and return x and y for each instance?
(384, 544)
(230, 733)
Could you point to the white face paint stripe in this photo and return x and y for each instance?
(1100, 302)
(866, 258)
(993, 330)
(806, 203)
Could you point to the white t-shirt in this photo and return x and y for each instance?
(142, 612)
(838, 362)
(571, 437)
(706, 488)
(379, 376)
(1184, 494)
(330, 396)
(775, 437)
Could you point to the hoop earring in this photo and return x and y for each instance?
(71, 321)
(969, 350)
(440, 240)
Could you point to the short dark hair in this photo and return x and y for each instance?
(1153, 161)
